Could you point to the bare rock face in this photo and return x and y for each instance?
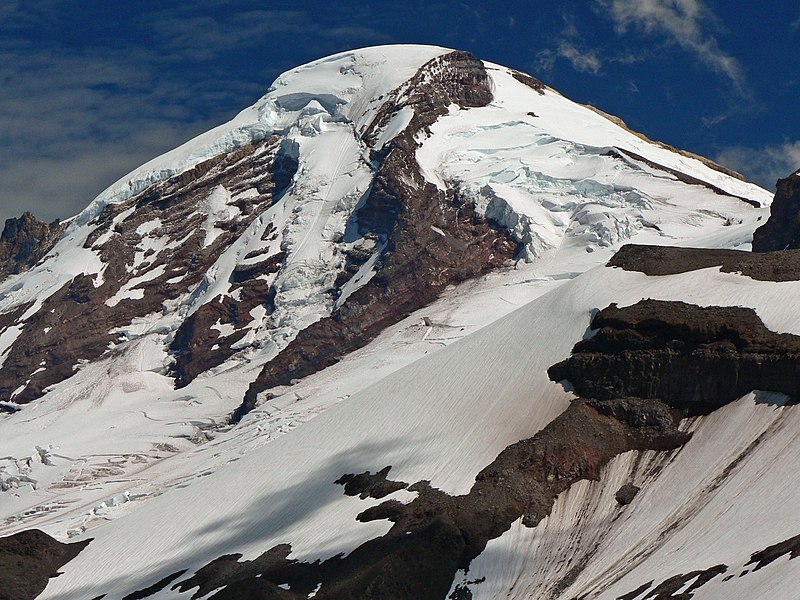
(432, 238)
(694, 359)
(28, 559)
(24, 241)
(782, 230)
(657, 261)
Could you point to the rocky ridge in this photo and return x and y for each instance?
(782, 230)
(25, 241)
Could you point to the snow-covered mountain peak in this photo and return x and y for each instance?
(350, 249)
(346, 85)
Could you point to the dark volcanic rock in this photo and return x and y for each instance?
(695, 359)
(782, 230)
(670, 260)
(401, 209)
(772, 553)
(368, 485)
(531, 82)
(667, 590)
(153, 589)
(28, 559)
(24, 241)
(626, 494)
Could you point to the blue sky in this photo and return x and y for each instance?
(91, 89)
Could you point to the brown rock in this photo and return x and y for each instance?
(28, 559)
(24, 241)
(782, 230)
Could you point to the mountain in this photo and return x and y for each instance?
(414, 325)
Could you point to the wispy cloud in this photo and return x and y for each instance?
(203, 37)
(681, 21)
(571, 47)
(584, 60)
(764, 165)
(72, 124)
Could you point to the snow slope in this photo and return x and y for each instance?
(443, 418)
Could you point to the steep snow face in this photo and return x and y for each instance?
(444, 417)
(557, 173)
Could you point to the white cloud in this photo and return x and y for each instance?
(572, 48)
(587, 61)
(682, 21)
(764, 165)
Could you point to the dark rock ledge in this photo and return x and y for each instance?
(28, 559)
(694, 359)
(668, 260)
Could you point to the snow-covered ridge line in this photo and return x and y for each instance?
(706, 161)
(588, 125)
(269, 115)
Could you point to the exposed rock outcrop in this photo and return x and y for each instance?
(24, 242)
(668, 588)
(693, 358)
(770, 554)
(671, 260)
(782, 230)
(28, 559)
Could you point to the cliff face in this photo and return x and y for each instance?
(782, 230)
(24, 241)
(28, 559)
(693, 358)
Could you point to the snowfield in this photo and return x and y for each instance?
(160, 481)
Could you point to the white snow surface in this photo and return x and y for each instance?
(445, 416)
(115, 453)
